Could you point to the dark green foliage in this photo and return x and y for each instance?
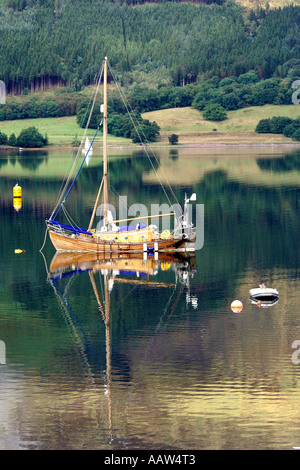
(296, 135)
(134, 127)
(146, 132)
(280, 125)
(49, 109)
(61, 104)
(289, 130)
(83, 114)
(3, 138)
(31, 138)
(16, 4)
(248, 78)
(245, 90)
(214, 112)
(145, 100)
(12, 140)
(173, 139)
(263, 127)
(56, 42)
(247, 60)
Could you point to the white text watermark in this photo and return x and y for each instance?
(295, 358)
(296, 85)
(167, 218)
(2, 352)
(2, 92)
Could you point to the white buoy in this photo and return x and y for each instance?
(236, 306)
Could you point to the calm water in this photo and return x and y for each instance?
(174, 367)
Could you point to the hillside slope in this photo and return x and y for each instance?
(239, 128)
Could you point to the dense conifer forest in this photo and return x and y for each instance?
(63, 42)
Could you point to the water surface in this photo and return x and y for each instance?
(174, 368)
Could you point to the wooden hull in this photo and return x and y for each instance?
(85, 244)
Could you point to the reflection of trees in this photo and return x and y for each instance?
(125, 173)
(173, 153)
(3, 162)
(290, 162)
(31, 163)
(247, 225)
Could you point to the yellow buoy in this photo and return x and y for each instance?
(18, 251)
(236, 306)
(17, 203)
(17, 191)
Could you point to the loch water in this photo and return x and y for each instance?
(172, 366)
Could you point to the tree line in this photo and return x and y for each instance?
(28, 138)
(64, 102)
(229, 93)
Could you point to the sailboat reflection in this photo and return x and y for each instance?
(119, 268)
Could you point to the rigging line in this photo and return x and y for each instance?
(60, 194)
(113, 189)
(69, 218)
(159, 325)
(127, 106)
(45, 262)
(71, 186)
(150, 344)
(130, 291)
(136, 126)
(63, 189)
(45, 236)
(75, 324)
(65, 181)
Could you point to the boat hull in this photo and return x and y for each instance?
(87, 244)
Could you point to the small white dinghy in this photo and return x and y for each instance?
(264, 293)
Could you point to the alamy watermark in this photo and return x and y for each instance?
(2, 92)
(296, 85)
(295, 358)
(167, 218)
(2, 352)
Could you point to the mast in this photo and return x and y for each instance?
(105, 175)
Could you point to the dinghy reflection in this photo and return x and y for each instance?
(111, 269)
(264, 303)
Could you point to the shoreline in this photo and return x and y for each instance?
(156, 145)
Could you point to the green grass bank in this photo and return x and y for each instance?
(187, 123)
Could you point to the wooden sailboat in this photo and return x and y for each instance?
(111, 238)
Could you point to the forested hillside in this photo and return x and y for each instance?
(63, 42)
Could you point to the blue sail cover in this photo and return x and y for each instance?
(71, 228)
(127, 228)
(77, 230)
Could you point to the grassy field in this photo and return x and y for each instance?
(60, 131)
(188, 123)
(240, 126)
